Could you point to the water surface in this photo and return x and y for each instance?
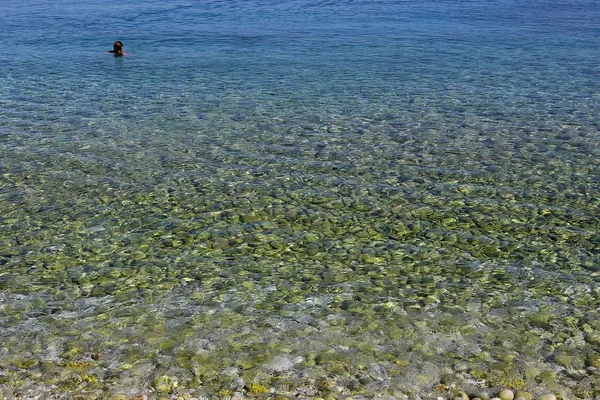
(309, 198)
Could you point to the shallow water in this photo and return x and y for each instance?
(308, 198)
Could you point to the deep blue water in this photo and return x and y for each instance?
(342, 169)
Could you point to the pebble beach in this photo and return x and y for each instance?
(347, 200)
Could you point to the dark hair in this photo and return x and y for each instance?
(118, 43)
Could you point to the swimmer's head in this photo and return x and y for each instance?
(118, 46)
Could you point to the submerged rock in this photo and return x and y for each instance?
(281, 363)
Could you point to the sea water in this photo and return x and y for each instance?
(299, 198)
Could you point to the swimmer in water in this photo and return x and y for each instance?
(117, 49)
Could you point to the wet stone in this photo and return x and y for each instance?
(378, 372)
(280, 363)
(524, 395)
(506, 394)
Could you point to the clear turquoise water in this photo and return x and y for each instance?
(345, 198)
